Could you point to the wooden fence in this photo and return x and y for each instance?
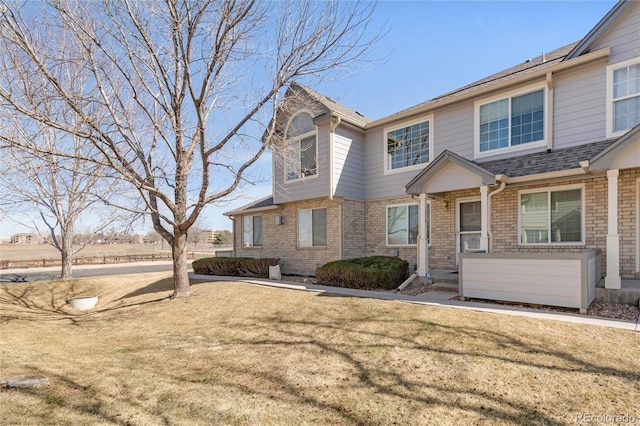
(91, 260)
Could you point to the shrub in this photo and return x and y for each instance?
(366, 273)
(234, 266)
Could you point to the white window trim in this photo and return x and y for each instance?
(298, 228)
(609, 108)
(297, 139)
(503, 95)
(388, 129)
(386, 220)
(550, 189)
(252, 228)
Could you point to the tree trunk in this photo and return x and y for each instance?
(66, 254)
(181, 285)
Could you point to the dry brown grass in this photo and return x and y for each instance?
(239, 354)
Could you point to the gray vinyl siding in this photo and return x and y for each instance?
(624, 36)
(579, 106)
(348, 165)
(453, 130)
(304, 189)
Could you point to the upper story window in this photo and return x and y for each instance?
(408, 146)
(552, 216)
(252, 231)
(623, 97)
(302, 149)
(510, 122)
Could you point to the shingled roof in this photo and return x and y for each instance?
(262, 204)
(544, 61)
(544, 162)
(333, 106)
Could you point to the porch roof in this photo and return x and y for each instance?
(623, 153)
(546, 161)
(450, 172)
(262, 204)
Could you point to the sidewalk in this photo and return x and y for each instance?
(436, 298)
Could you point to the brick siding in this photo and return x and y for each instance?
(363, 228)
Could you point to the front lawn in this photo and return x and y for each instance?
(234, 353)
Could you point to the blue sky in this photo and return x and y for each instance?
(433, 47)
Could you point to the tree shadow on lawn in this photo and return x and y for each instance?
(161, 286)
(400, 384)
(65, 393)
(48, 300)
(39, 300)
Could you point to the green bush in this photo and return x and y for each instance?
(366, 273)
(234, 266)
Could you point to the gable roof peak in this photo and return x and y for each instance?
(587, 41)
(331, 105)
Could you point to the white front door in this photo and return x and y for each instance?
(468, 226)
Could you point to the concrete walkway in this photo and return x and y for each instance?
(436, 298)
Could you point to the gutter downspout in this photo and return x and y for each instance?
(503, 183)
(548, 119)
(332, 129)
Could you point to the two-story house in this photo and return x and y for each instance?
(541, 157)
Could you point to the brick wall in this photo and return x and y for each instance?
(282, 240)
(354, 229)
(363, 226)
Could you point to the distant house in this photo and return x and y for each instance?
(207, 236)
(543, 157)
(26, 238)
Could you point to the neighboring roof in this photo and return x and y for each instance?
(544, 162)
(333, 106)
(588, 40)
(265, 203)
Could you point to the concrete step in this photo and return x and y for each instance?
(450, 277)
(444, 286)
(625, 296)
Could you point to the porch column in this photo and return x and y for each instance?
(484, 218)
(423, 243)
(612, 279)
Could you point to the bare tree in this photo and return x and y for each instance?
(49, 193)
(183, 93)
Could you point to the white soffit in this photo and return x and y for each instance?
(628, 157)
(450, 177)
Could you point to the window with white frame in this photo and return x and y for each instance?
(312, 228)
(301, 157)
(252, 231)
(510, 122)
(403, 224)
(409, 145)
(623, 97)
(552, 216)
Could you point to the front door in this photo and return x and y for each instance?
(468, 226)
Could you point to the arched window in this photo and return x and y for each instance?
(301, 158)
